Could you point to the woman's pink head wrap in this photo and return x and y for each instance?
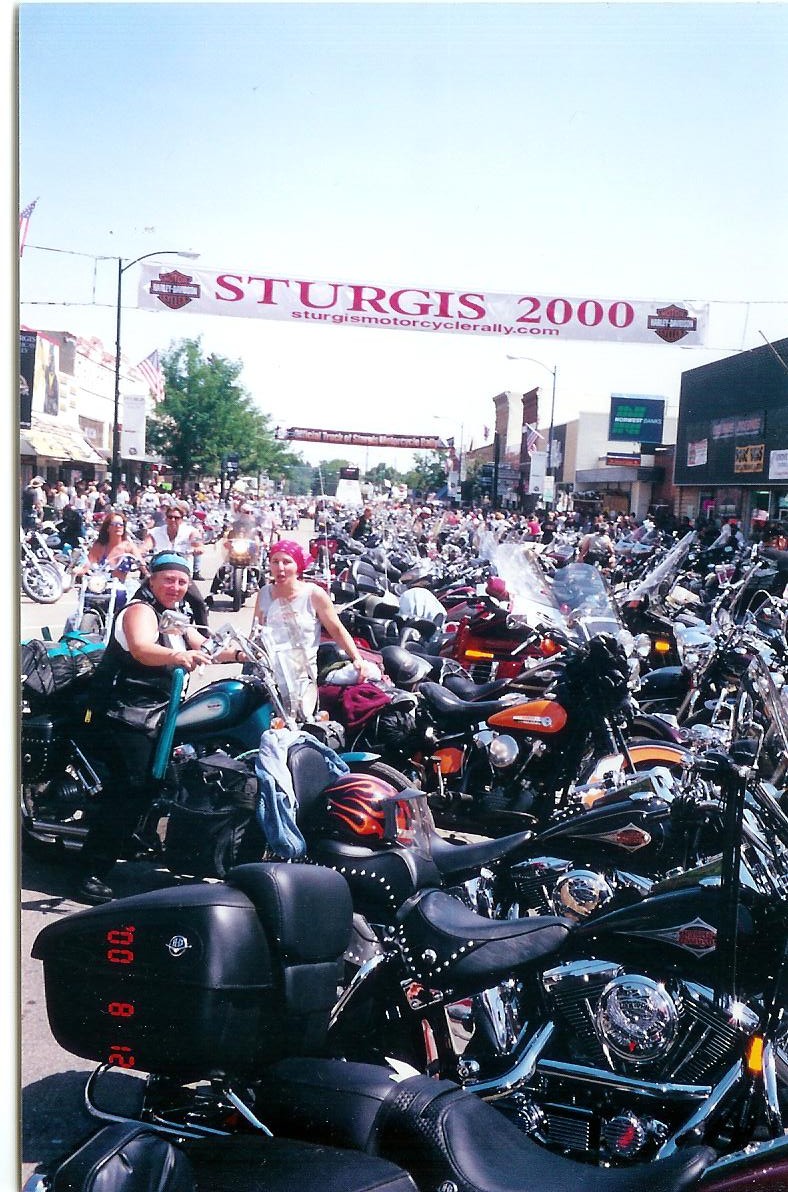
(286, 546)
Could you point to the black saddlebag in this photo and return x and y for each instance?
(247, 1163)
(206, 824)
(133, 1158)
(201, 980)
(125, 1158)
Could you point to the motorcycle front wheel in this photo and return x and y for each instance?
(238, 589)
(42, 583)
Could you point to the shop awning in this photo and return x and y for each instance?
(612, 475)
(57, 442)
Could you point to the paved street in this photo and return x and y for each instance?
(52, 1080)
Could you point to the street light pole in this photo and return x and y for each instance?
(164, 252)
(554, 374)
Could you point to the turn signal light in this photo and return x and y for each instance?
(478, 654)
(277, 722)
(661, 646)
(755, 1055)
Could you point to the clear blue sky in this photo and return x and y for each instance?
(587, 149)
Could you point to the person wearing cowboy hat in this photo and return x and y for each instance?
(33, 502)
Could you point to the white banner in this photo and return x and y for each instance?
(415, 308)
(778, 465)
(132, 434)
(537, 477)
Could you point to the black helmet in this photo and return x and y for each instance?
(403, 668)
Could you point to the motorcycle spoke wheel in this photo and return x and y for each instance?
(44, 585)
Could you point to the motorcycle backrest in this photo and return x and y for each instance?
(311, 776)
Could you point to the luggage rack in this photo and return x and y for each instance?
(217, 1099)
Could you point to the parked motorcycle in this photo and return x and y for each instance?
(40, 576)
(649, 1042)
(202, 797)
(101, 594)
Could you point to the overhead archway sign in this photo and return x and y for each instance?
(257, 295)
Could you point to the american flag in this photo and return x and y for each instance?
(24, 223)
(532, 438)
(151, 371)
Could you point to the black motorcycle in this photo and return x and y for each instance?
(668, 1048)
(241, 574)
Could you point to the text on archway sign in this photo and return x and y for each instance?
(415, 308)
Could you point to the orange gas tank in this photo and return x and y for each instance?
(536, 716)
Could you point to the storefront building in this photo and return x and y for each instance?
(67, 405)
(732, 440)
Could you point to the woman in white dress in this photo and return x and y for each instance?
(292, 614)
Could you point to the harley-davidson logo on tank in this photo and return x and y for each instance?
(697, 937)
(256, 294)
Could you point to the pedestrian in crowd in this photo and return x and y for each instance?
(597, 547)
(103, 501)
(122, 497)
(91, 496)
(114, 550)
(138, 655)
(362, 525)
(59, 499)
(268, 523)
(533, 527)
(290, 614)
(33, 501)
(80, 500)
(176, 535)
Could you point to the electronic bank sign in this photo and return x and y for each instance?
(635, 418)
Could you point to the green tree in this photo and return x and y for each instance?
(382, 472)
(206, 413)
(428, 474)
(326, 476)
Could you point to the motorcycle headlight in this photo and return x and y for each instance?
(97, 584)
(239, 546)
(642, 643)
(503, 751)
(694, 646)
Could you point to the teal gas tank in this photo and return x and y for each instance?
(229, 714)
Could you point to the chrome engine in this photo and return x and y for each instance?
(622, 1064)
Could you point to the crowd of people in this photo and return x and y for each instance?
(162, 532)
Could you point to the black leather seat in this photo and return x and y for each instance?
(454, 712)
(455, 860)
(448, 946)
(465, 688)
(445, 1135)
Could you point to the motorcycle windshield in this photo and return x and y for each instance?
(585, 600)
(531, 599)
(664, 572)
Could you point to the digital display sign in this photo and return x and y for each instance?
(635, 418)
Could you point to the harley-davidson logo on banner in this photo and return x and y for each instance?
(416, 308)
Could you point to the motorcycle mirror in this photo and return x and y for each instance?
(171, 621)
